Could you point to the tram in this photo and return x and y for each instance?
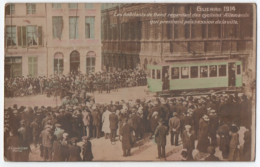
(195, 74)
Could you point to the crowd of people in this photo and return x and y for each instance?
(198, 123)
(62, 85)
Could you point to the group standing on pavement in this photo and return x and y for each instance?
(65, 133)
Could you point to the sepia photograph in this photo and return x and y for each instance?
(127, 82)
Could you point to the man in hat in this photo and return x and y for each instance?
(35, 127)
(213, 126)
(224, 139)
(174, 128)
(86, 119)
(197, 114)
(126, 133)
(160, 138)
(234, 144)
(87, 149)
(136, 123)
(57, 150)
(188, 140)
(74, 150)
(96, 124)
(203, 136)
(46, 138)
(113, 119)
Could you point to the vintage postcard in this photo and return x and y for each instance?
(129, 82)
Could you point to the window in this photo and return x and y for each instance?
(57, 26)
(31, 35)
(58, 63)
(222, 70)
(73, 5)
(89, 5)
(73, 27)
(153, 74)
(13, 67)
(194, 72)
(213, 71)
(175, 73)
(158, 74)
(56, 5)
(10, 35)
(203, 71)
(30, 8)
(90, 27)
(184, 72)
(9, 9)
(33, 65)
(90, 62)
(238, 69)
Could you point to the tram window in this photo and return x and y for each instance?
(194, 72)
(213, 71)
(203, 71)
(158, 74)
(238, 69)
(175, 72)
(222, 70)
(153, 74)
(185, 72)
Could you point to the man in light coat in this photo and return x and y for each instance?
(106, 123)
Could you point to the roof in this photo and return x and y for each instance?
(195, 60)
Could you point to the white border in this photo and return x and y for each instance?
(117, 164)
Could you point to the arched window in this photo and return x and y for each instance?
(74, 62)
(90, 62)
(58, 63)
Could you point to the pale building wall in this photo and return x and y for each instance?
(82, 44)
(50, 46)
(21, 18)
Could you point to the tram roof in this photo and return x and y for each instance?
(200, 59)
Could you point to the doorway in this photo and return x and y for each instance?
(74, 62)
(231, 74)
(165, 78)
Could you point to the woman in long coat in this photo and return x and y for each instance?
(203, 141)
(106, 123)
(126, 133)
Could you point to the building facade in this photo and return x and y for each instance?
(74, 42)
(129, 41)
(53, 38)
(25, 40)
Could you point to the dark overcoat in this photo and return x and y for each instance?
(126, 133)
(203, 141)
(74, 153)
(160, 135)
(113, 119)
